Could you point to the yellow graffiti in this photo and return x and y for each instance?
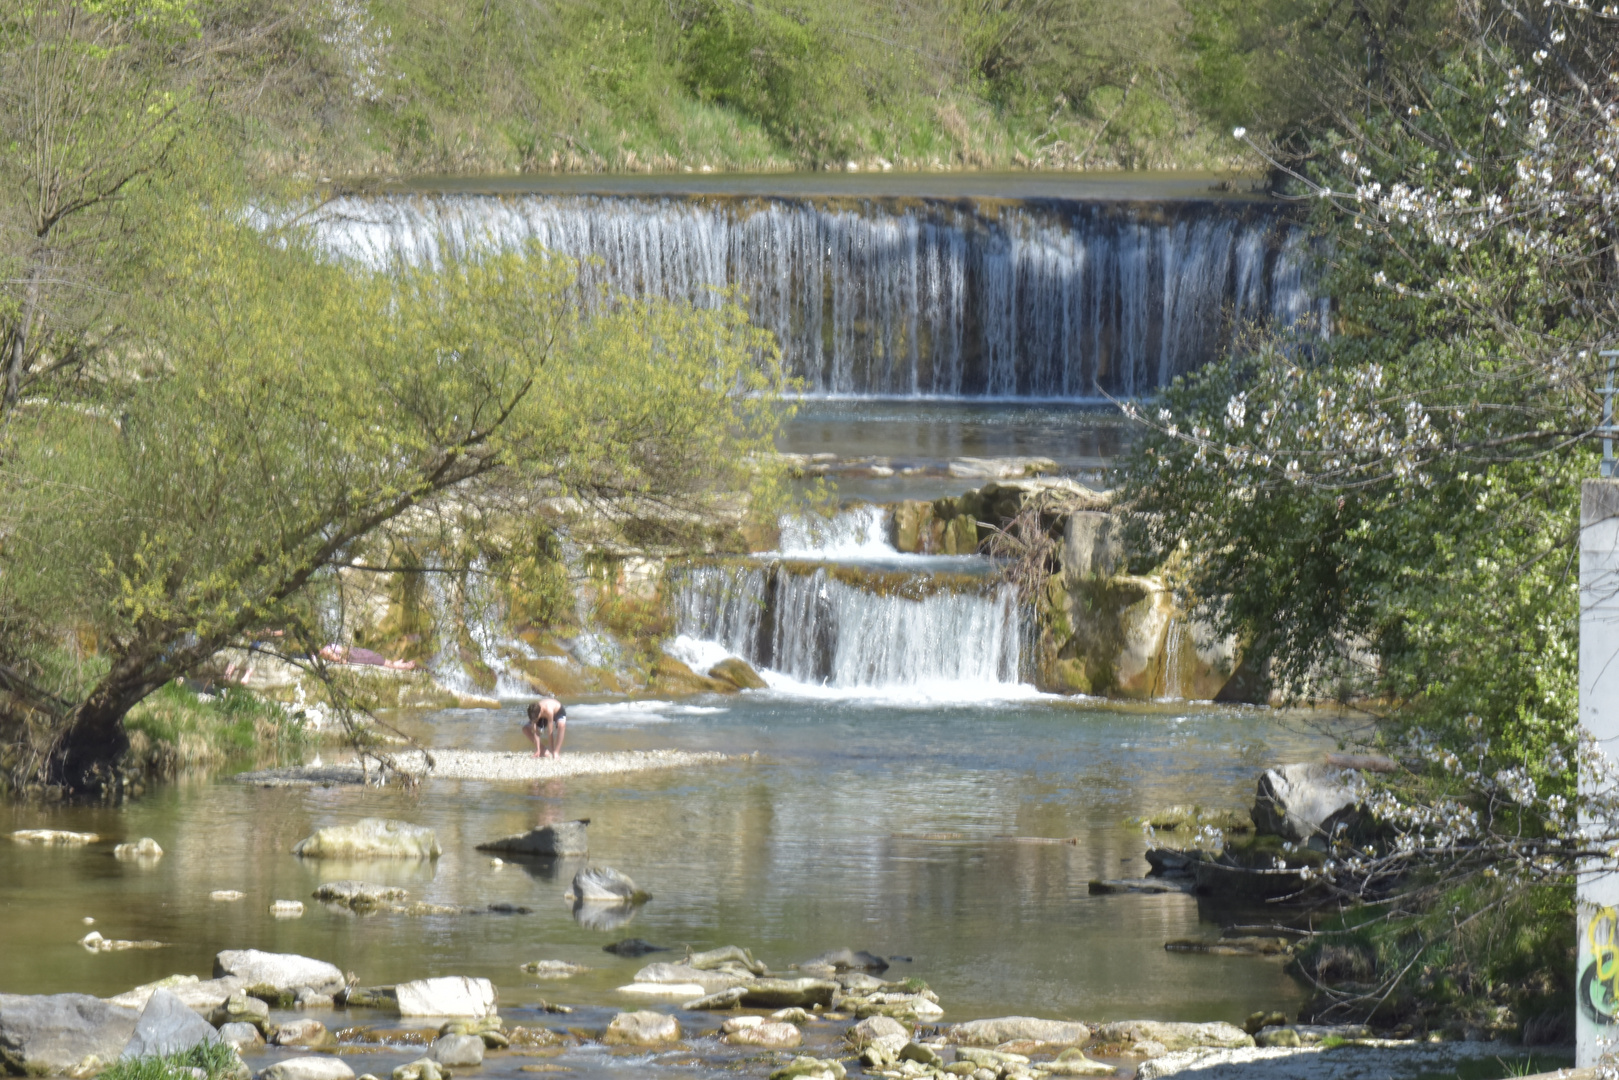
(1602, 934)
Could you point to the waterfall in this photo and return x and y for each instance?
(812, 626)
(1175, 660)
(861, 532)
(469, 603)
(1059, 299)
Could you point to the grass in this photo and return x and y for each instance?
(216, 1059)
(174, 729)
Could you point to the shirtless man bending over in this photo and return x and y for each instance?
(547, 723)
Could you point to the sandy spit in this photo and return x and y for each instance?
(491, 765)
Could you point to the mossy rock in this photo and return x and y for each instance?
(670, 676)
(738, 673)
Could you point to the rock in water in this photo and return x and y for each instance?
(144, 848)
(874, 1028)
(772, 1036)
(167, 1026)
(1174, 1036)
(287, 909)
(553, 969)
(634, 947)
(308, 1068)
(359, 894)
(309, 1033)
(849, 960)
(738, 674)
(452, 995)
(1073, 1062)
(1008, 1028)
(370, 838)
(780, 993)
(56, 1033)
(457, 1050)
(644, 1028)
(241, 1036)
(603, 884)
(286, 973)
(54, 837)
(809, 1069)
(420, 1069)
(1292, 801)
(563, 838)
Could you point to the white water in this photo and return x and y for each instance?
(469, 601)
(860, 533)
(1059, 300)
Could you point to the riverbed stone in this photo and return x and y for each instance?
(370, 838)
(783, 993)
(457, 1050)
(451, 995)
(603, 884)
(645, 1028)
(54, 837)
(1294, 801)
(167, 1026)
(553, 969)
(809, 1068)
(922, 1055)
(320, 1067)
(241, 1036)
(285, 973)
(980, 1055)
(773, 1035)
(241, 1007)
(1175, 1036)
(841, 960)
(562, 838)
(144, 848)
(1003, 1029)
(793, 1015)
(1073, 1062)
(303, 1032)
(359, 894)
(60, 1033)
(738, 673)
(873, 1028)
(421, 1069)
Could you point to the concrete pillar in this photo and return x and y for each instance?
(1597, 1005)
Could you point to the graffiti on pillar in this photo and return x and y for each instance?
(1599, 982)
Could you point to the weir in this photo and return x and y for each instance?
(1065, 299)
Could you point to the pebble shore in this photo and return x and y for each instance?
(493, 765)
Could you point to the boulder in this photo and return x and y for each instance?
(201, 995)
(1293, 801)
(670, 676)
(370, 838)
(309, 1033)
(855, 982)
(729, 959)
(553, 969)
(168, 1026)
(57, 1033)
(925, 1056)
(241, 1008)
(313, 999)
(1008, 1028)
(809, 1068)
(241, 1036)
(644, 1028)
(321, 1067)
(563, 838)
(841, 960)
(1174, 1036)
(359, 894)
(710, 981)
(910, 1008)
(873, 1028)
(793, 1015)
(54, 837)
(604, 884)
(773, 1036)
(780, 993)
(1073, 1062)
(452, 995)
(457, 1050)
(420, 1069)
(978, 1055)
(285, 973)
(144, 848)
(738, 674)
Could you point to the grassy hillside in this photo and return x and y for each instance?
(458, 86)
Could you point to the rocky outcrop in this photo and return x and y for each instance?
(282, 973)
(562, 838)
(1295, 801)
(641, 1029)
(57, 1034)
(453, 995)
(370, 838)
(168, 1026)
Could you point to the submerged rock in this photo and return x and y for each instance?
(61, 1033)
(144, 848)
(323, 1067)
(553, 969)
(94, 942)
(310, 1033)
(370, 838)
(285, 973)
(563, 838)
(603, 884)
(168, 1026)
(849, 960)
(452, 995)
(634, 947)
(359, 894)
(1003, 1029)
(643, 1028)
(287, 909)
(54, 837)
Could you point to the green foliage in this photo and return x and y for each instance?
(175, 729)
(215, 1059)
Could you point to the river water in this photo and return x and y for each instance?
(816, 844)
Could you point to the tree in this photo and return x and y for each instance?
(276, 410)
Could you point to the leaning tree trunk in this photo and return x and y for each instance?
(87, 753)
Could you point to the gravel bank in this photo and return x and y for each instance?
(491, 765)
(1391, 1062)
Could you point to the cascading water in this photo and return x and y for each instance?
(468, 602)
(810, 614)
(913, 298)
